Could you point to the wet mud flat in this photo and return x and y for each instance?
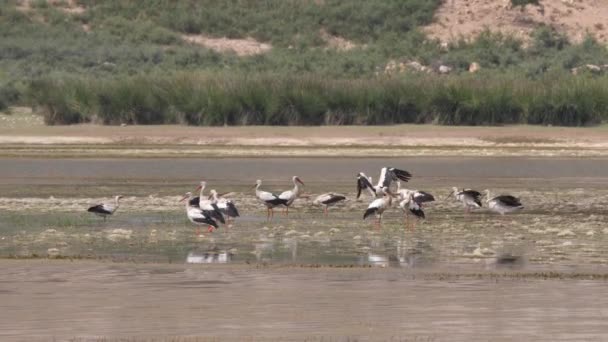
(46, 300)
(564, 224)
(143, 275)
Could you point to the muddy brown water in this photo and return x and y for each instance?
(61, 300)
(563, 229)
(339, 170)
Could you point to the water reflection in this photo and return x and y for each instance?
(212, 257)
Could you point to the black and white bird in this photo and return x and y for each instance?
(388, 175)
(198, 216)
(226, 206)
(269, 199)
(207, 205)
(105, 209)
(469, 198)
(328, 199)
(379, 205)
(419, 196)
(503, 204)
(410, 205)
(291, 195)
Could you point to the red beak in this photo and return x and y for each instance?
(299, 180)
(183, 198)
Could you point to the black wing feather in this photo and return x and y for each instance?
(475, 194)
(363, 183)
(369, 211)
(422, 197)
(231, 209)
(194, 201)
(206, 220)
(509, 200)
(278, 201)
(334, 199)
(417, 212)
(98, 209)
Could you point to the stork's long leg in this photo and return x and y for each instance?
(325, 211)
(198, 231)
(287, 211)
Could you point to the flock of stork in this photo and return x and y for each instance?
(214, 208)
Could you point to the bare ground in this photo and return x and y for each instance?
(467, 18)
(27, 136)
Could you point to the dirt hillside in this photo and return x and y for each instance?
(467, 18)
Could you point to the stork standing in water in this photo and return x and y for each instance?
(105, 209)
(503, 204)
(226, 206)
(412, 201)
(269, 199)
(198, 216)
(469, 198)
(328, 199)
(388, 175)
(379, 205)
(291, 195)
(206, 205)
(412, 205)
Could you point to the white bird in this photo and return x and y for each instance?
(328, 199)
(105, 209)
(198, 216)
(207, 205)
(419, 196)
(226, 206)
(503, 204)
(469, 198)
(269, 199)
(387, 177)
(411, 205)
(379, 205)
(291, 195)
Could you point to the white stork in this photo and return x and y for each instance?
(328, 199)
(379, 205)
(291, 195)
(419, 196)
(105, 209)
(269, 199)
(206, 205)
(503, 204)
(469, 198)
(198, 216)
(413, 205)
(387, 176)
(226, 206)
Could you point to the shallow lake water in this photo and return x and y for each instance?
(437, 281)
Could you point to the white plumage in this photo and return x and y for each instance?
(503, 204)
(269, 199)
(291, 195)
(328, 199)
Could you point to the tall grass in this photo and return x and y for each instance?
(213, 99)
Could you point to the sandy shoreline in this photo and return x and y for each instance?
(332, 141)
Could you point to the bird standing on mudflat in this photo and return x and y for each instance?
(225, 206)
(379, 205)
(503, 204)
(328, 199)
(291, 195)
(198, 216)
(105, 209)
(269, 199)
(469, 198)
